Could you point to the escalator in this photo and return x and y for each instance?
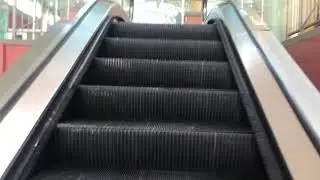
(157, 102)
(154, 101)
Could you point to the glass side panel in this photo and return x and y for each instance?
(30, 19)
(23, 21)
(271, 12)
(286, 18)
(295, 23)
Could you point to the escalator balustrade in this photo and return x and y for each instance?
(157, 102)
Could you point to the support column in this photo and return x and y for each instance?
(301, 18)
(68, 9)
(183, 4)
(14, 19)
(262, 11)
(34, 19)
(3, 18)
(55, 10)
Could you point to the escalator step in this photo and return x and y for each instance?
(97, 174)
(112, 102)
(164, 31)
(152, 145)
(162, 49)
(158, 73)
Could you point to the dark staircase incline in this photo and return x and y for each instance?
(157, 102)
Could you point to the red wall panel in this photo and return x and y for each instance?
(13, 52)
(9, 53)
(307, 55)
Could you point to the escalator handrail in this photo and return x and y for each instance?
(23, 117)
(17, 78)
(300, 91)
(286, 96)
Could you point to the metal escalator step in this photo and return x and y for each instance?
(153, 145)
(159, 73)
(162, 49)
(164, 31)
(137, 103)
(98, 174)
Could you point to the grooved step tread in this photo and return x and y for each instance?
(165, 31)
(177, 146)
(159, 73)
(120, 102)
(97, 174)
(162, 49)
